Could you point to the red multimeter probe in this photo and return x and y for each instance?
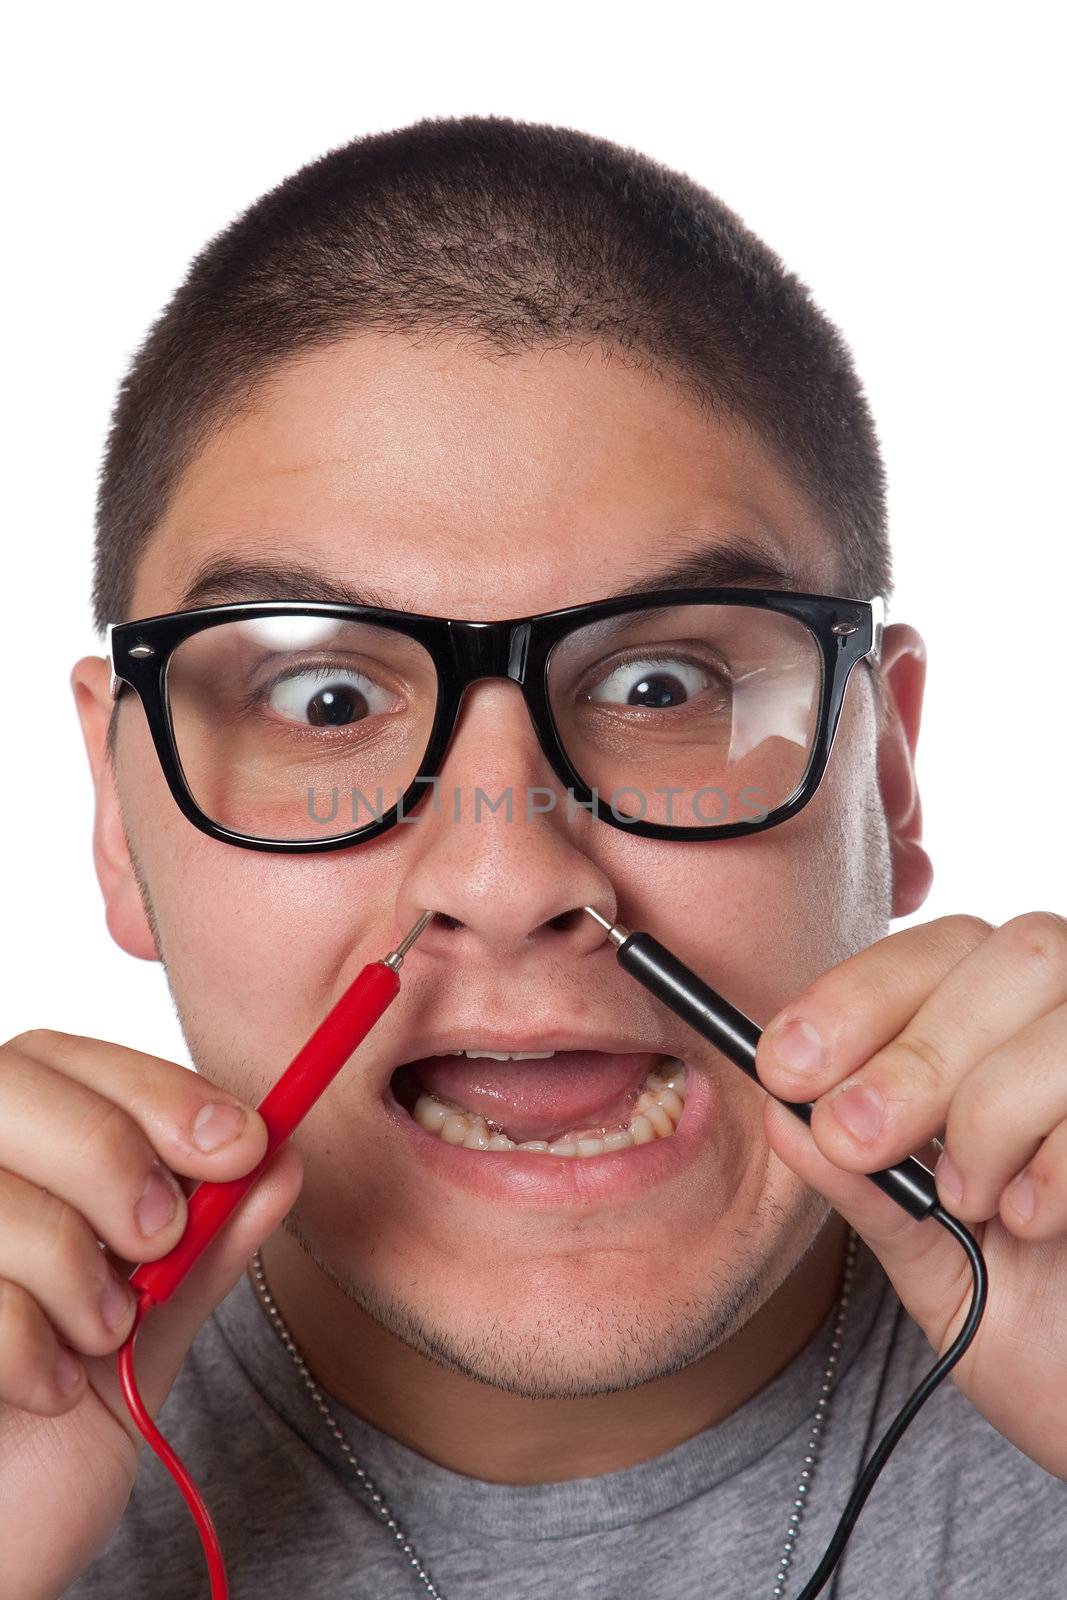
(283, 1108)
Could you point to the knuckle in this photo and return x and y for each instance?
(971, 929)
(17, 1307)
(13, 1306)
(1041, 937)
(109, 1134)
(33, 1041)
(977, 1108)
(865, 991)
(923, 1058)
(25, 1341)
(62, 1233)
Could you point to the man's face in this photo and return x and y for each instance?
(479, 488)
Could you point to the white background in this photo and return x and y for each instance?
(906, 161)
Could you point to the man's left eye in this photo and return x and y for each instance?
(657, 684)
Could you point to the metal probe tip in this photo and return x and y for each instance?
(615, 930)
(395, 957)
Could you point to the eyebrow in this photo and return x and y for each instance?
(728, 563)
(226, 578)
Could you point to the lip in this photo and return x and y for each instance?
(476, 1037)
(535, 1181)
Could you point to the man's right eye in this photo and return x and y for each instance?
(328, 697)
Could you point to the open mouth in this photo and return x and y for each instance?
(579, 1103)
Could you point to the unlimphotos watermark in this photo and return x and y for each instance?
(672, 805)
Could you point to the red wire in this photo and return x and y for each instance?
(283, 1107)
(205, 1527)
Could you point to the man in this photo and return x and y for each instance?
(486, 371)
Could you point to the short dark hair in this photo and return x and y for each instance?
(518, 234)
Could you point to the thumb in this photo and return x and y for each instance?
(922, 1261)
(167, 1330)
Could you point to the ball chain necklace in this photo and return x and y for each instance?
(383, 1510)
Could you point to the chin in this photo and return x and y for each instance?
(558, 1327)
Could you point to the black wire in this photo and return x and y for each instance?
(909, 1183)
(941, 1369)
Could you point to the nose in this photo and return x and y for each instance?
(509, 879)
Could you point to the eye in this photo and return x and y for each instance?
(328, 697)
(657, 684)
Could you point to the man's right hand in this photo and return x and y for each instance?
(91, 1136)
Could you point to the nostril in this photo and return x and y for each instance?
(570, 922)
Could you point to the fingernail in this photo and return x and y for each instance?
(116, 1303)
(216, 1125)
(1023, 1195)
(798, 1046)
(948, 1178)
(157, 1204)
(860, 1111)
(66, 1371)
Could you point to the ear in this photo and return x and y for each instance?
(127, 920)
(903, 673)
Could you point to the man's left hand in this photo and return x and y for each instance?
(954, 1029)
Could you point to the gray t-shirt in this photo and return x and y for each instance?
(957, 1514)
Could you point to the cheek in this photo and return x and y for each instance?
(842, 861)
(256, 945)
(760, 917)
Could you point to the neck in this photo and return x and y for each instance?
(483, 1432)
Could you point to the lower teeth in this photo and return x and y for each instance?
(656, 1114)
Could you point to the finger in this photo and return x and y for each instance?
(196, 1127)
(1002, 1111)
(856, 1007)
(1034, 1205)
(914, 1063)
(169, 1329)
(88, 1151)
(35, 1370)
(50, 1251)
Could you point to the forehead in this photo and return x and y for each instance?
(448, 478)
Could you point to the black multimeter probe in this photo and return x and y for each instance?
(909, 1183)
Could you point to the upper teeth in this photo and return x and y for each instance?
(504, 1055)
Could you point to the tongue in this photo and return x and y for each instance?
(540, 1099)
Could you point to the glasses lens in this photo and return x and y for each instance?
(294, 727)
(689, 715)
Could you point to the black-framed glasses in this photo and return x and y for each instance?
(696, 713)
